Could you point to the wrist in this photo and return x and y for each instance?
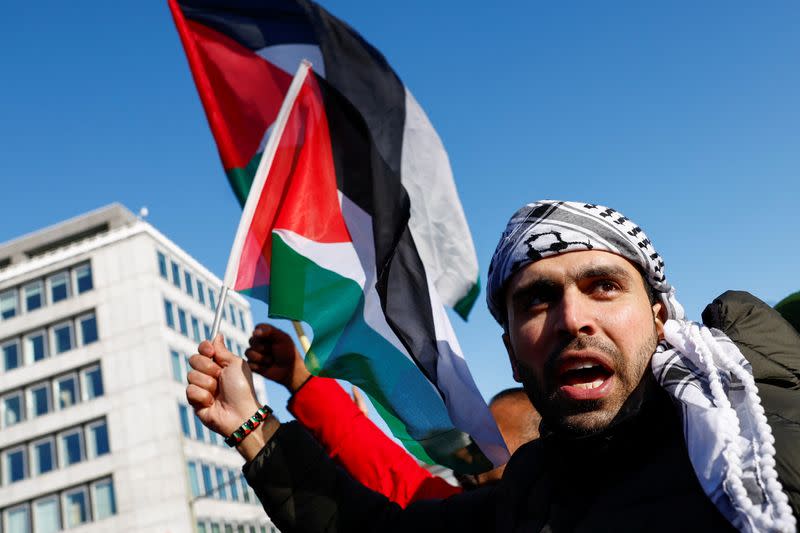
(253, 443)
(250, 424)
(299, 378)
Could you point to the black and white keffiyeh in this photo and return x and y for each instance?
(729, 441)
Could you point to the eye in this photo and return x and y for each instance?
(540, 298)
(605, 287)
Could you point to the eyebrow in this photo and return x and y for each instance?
(533, 286)
(603, 271)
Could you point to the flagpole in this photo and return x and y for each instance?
(301, 335)
(254, 196)
(223, 294)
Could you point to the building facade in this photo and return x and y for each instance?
(97, 316)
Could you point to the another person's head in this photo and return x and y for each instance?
(517, 421)
(582, 298)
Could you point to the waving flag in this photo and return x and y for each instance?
(369, 286)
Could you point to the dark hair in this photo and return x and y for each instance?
(508, 393)
(652, 294)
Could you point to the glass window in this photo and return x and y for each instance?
(92, 380)
(12, 408)
(87, 325)
(18, 519)
(207, 331)
(201, 527)
(232, 312)
(176, 274)
(194, 481)
(184, 327)
(201, 292)
(43, 456)
(8, 304)
(39, 400)
(71, 447)
(66, 391)
(199, 429)
(212, 301)
(207, 483)
(213, 437)
(240, 528)
(243, 485)
(47, 515)
(83, 278)
(228, 344)
(11, 358)
(196, 330)
(35, 347)
(232, 483)
(223, 493)
(215, 528)
(105, 503)
(59, 287)
(14, 465)
(62, 337)
(168, 312)
(183, 411)
(242, 323)
(76, 507)
(228, 528)
(188, 284)
(97, 437)
(177, 370)
(33, 296)
(162, 265)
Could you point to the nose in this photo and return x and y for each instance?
(576, 315)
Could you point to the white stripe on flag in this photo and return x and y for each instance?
(437, 223)
(466, 406)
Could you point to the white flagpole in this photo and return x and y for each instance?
(254, 195)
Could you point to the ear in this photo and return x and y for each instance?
(511, 357)
(659, 316)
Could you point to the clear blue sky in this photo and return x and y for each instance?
(683, 115)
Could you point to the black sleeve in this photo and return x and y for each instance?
(303, 490)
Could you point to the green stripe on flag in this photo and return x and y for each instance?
(242, 178)
(464, 305)
(346, 347)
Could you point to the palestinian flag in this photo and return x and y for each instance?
(372, 288)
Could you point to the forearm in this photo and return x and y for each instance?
(302, 490)
(356, 443)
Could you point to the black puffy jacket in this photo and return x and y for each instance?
(772, 346)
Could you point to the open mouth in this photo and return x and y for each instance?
(584, 379)
(587, 375)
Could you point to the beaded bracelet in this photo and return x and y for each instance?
(249, 425)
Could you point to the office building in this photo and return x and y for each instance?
(97, 316)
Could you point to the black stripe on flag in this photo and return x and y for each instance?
(255, 24)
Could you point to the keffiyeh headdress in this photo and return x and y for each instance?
(730, 443)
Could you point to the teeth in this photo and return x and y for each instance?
(581, 366)
(593, 385)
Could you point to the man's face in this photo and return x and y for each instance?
(581, 331)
